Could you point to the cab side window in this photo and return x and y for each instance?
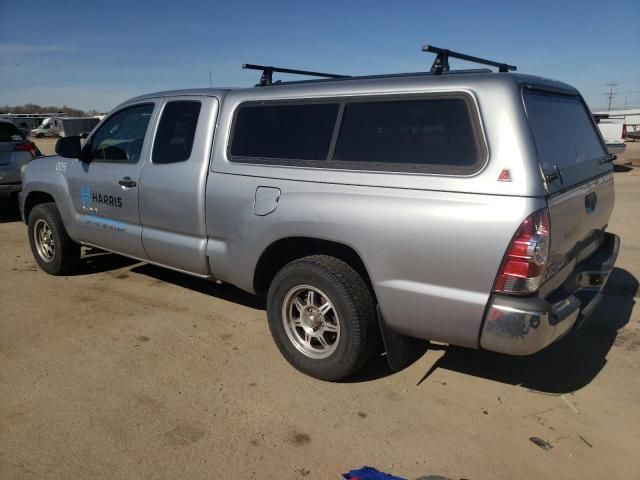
(120, 139)
(177, 129)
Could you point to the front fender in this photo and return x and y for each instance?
(48, 175)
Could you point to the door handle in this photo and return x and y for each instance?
(127, 182)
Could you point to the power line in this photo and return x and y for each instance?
(611, 93)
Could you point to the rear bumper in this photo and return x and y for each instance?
(616, 147)
(522, 326)
(8, 188)
(10, 174)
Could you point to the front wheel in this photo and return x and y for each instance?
(322, 317)
(50, 244)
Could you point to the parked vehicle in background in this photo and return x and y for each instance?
(613, 131)
(25, 121)
(629, 116)
(48, 128)
(25, 125)
(15, 151)
(73, 126)
(388, 206)
(65, 126)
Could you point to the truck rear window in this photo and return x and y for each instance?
(562, 129)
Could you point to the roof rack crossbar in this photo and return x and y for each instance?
(267, 73)
(441, 63)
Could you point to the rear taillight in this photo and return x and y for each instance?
(523, 266)
(26, 147)
(624, 131)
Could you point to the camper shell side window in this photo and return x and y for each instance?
(429, 133)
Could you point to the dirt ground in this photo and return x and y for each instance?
(127, 371)
(631, 155)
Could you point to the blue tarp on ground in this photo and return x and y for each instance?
(369, 473)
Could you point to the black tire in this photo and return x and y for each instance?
(66, 253)
(354, 305)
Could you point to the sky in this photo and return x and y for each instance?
(95, 54)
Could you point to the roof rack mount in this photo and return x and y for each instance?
(267, 73)
(441, 63)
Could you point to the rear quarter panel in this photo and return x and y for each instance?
(432, 256)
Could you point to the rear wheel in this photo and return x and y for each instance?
(50, 244)
(322, 317)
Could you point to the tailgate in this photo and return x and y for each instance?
(578, 218)
(579, 177)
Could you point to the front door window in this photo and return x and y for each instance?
(120, 139)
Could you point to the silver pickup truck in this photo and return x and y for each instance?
(467, 207)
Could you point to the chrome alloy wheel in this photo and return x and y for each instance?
(44, 241)
(311, 321)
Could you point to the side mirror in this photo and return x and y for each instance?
(84, 135)
(68, 147)
(86, 154)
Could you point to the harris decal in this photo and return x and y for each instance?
(89, 199)
(85, 196)
(104, 223)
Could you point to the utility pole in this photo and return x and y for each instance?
(209, 79)
(611, 93)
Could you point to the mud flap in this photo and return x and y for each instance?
(401, 350)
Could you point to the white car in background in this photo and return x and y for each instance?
(65, 126)
(614, 132)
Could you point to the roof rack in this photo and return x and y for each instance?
(441, 63)
(440, 66)
(267, 73)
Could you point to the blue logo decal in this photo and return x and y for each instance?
(85, 195)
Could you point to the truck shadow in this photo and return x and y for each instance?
(9, 210)
(567, 365)
(621, 168)
(223, 291)
(95, 260)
